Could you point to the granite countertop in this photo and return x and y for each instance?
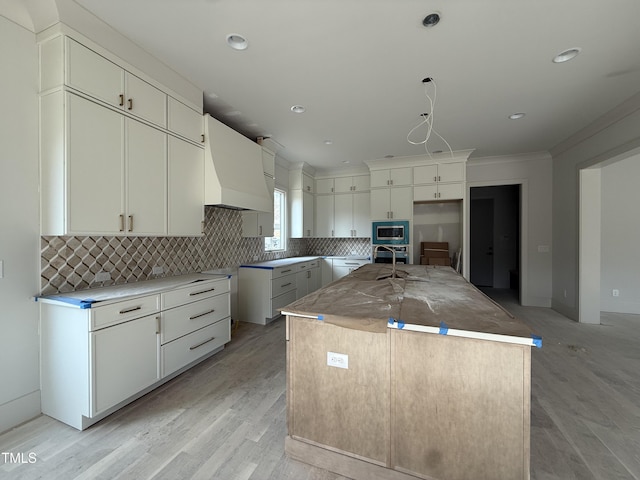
(430, 299)
(114, 293)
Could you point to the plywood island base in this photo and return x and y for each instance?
(400, 404)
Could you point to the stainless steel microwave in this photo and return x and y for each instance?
(390, 233)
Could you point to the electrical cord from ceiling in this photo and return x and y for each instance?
(427, 119)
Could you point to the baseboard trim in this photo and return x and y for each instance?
(20, 410)
(341, 464)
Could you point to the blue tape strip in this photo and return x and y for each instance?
(537, 341)
(400, 324)
(391, 321)
(443, 328)
(320, 317)
(257, 266)
(78, 302)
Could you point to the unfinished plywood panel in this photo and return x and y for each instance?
(344, 408)
(460, 407)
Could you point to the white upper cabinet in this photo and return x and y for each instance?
(324, 217)
(325, 186)
(352, 184)
(185, 121)
(394, 177)
(98, 77)
(439, 173)
(186, 188)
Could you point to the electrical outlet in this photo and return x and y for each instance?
(339, 360)
(615, 292)
(102, 277)
(157, 270)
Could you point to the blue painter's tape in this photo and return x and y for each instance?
(537, 341)
(78, 302)
(443, 328)
(400, 324)
(320, 317)
(391, 321)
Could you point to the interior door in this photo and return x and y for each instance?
(481, 236)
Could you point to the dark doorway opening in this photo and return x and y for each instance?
(494, 235)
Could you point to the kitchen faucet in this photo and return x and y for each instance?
(393, 253)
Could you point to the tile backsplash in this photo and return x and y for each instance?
(70, 263)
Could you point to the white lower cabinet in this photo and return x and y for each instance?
(114, 351)
(97, 357)
(264, 288)
(344, 266)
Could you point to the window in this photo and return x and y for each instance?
(279, 240)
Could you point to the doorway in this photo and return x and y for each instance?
(494, 243)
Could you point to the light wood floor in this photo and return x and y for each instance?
(225, 419)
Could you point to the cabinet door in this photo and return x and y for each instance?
(146, 162)
(307, 214)
(302, 283)
(425, 174)
(268, 162)
(124, 360)
(250, 224)
(379, 178)
(380, 208)
(360, 183)
(184, 120)
(361, 215)
(186, 188)
(400, 176)
(450, 191)
(265, 219)
(401, 203)
(344, 215)
(324, 185)
(94, 75)
(425, 193)
(344, 185)
(307, 183)
(324, 216)
(451, 172)
(145, 101)
(95, 169)
(315, 279)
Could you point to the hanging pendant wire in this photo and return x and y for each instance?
(428, 120)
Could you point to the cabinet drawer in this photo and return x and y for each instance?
(180, 321)
(314, 264)
(189, 348)
(282, 301)
(282, 271)
(122, 311)
(194, 292)
(282, 285)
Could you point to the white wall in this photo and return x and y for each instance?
(534, 173)
(19, 217)
(612, 136)
(620, 235)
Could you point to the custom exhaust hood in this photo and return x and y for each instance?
(233, 170)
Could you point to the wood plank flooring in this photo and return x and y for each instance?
(225, 418)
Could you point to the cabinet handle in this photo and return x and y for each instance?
(308, 233)
(331, 189)
(285, 285)
(332, 234)
(203, 138)
(438, 177)
(202, 343)
(260, 232)
(131, 223)
(351, 263)
(157, 325)
(308, 188)
(439, 195)
(202, 314)
(202, 226)
(129, 310)
(193, 294)
(435, 195)
(122, 223)
(391, 182)
(285, 271)
(130, 107)
(388, 182)
(121, 100)
(308, 273)
(435, 179)
(391, 216)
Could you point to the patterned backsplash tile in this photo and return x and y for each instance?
(71, 263)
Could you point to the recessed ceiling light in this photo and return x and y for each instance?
(298, 109)
(346, 161)
(237, 42)
(431, 20)
(567, 55)
(328, 142)
(516, 116)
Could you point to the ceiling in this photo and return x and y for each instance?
(357, 67)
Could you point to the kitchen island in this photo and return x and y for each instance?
(416, 376)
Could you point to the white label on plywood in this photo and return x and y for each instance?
(339, 360)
